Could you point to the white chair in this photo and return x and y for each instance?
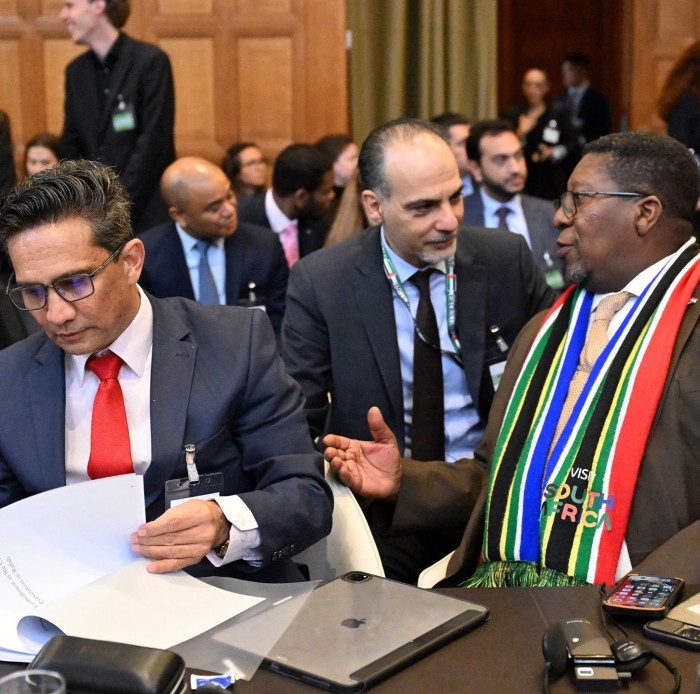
(435, 572)
(350, 545)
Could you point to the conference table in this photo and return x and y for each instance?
(504, 656)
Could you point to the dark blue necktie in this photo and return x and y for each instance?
(208, 293)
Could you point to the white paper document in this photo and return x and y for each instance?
(66, 566)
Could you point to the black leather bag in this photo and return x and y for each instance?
(105, 667)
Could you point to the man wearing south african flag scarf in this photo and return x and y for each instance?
(614, 483)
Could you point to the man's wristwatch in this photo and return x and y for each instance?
(221, 551)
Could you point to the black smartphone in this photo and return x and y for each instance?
(644, 596)
(674, 632)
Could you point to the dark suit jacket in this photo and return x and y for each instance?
(7, 161)
(547, 179)
(663, 535)
(538, 216)
(312, 233)
(217, 382)
(253, 254)
(143, 78)
(339, 332)
(593, 117)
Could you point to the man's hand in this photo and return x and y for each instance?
(181, 536)
(369, 468)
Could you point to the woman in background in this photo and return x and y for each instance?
(41, 152)
(350, 217)
(344, 153)
(246, 168)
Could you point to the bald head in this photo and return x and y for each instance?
(199, 198)
(181, 176)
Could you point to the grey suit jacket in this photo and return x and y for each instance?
(217, 382)
(339, 332)
(538, 216)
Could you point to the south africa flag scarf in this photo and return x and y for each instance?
(561, 518)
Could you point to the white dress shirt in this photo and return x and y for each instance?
(135, 347)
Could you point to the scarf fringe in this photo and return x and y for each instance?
(518, 574)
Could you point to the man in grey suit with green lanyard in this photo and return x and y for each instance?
(351, 328)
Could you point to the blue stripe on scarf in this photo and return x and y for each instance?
(530, 530)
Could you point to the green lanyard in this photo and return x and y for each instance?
(450, 297)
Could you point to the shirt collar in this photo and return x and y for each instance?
(133, 345)
(113, 54)
(404, 269)
(190, 242)
(637, 284)
(491, 205)
(278, 219)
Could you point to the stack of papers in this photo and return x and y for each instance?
(66, 566)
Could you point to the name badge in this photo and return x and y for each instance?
(551, 134)
(496, 370)
(124, 118)
(209, 486)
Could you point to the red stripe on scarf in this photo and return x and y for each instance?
(643, 403)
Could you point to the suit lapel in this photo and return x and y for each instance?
(471, 314)
(374, 300)
(46, 393)
(172, 370)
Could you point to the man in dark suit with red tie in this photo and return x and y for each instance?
(188, 374)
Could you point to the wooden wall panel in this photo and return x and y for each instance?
(270, 70)
(57, 53)
(659, 33)
(265, 107)
(195, 91)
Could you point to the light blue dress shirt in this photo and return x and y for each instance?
(216, 257)
(515, 220)
(462, 428)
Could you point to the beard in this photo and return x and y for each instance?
(579, 273)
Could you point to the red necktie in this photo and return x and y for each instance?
(110, 449)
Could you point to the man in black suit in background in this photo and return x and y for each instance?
(245, 262)
(119, 104)
(588, 108)
(297, 205)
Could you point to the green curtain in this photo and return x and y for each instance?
(420, 58)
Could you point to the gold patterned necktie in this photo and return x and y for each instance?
(595, 343)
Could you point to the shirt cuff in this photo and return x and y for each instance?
(244, 536)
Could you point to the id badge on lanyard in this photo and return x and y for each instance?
(206, 486)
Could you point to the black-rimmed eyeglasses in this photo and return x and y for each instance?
(32, 297)
(568, 199)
